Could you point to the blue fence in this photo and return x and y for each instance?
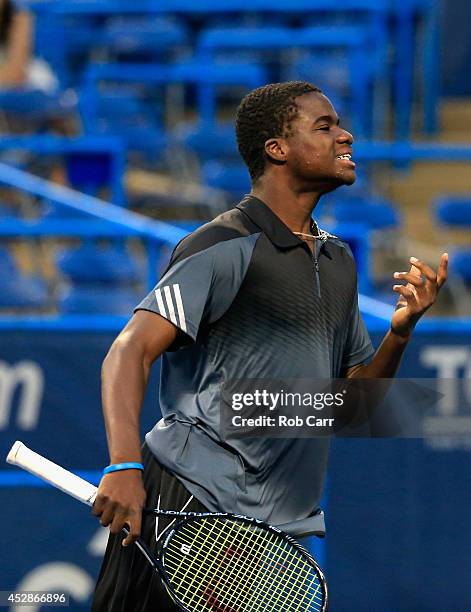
(396, 510)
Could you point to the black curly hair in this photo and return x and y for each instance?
(266, 112)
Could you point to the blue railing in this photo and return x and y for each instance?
(107, 220)
(89, 150)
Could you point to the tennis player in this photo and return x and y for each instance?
(260, 292)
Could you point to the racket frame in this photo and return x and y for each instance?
(187, 517)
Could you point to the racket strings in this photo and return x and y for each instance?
(268, 558)
(202, 543)
(218, 574)
(205, 549)
(298, 587)
(298, 578)
(253, 574)
(224, 579)
(292, 596)
(237, 566)
(234, 591)
(209, 588)
(285, 578)
(183, 567)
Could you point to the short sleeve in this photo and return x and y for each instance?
(197, 289)
(358, 347)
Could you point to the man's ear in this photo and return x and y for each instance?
(277, 150)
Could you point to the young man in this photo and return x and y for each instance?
(258, 293)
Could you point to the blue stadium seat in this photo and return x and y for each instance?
(100, 280)
(231, 177)
(24, 293)
(18, 290)
(97, 299)
(143, 36)
(454, 212)
(460, 263)
(90, 264)
(378, 214)
(209, 140)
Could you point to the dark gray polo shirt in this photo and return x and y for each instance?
(251, 301)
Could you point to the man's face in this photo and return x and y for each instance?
(316, 145)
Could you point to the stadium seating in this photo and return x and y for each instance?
(106, 280)
(397, 30)
(454, 212)
(19, 291)
(150, 134)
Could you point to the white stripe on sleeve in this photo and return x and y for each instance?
(160, 303)
(181, 310)
(171, 309)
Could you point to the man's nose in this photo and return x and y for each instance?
(345, 136)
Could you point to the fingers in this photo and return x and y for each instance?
(442, 270)
(134, 527)
(111, 514)
(425, 269)
(108, 515)
(99, 505)
(411, 278)
(420, 272)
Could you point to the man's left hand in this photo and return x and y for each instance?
(423, 285)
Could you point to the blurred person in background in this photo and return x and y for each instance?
(18, 67)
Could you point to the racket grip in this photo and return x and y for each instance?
(47, 470)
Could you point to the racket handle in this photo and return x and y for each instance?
(69, 483)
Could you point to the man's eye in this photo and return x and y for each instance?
(325, 127)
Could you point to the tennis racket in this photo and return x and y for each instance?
(214, 562)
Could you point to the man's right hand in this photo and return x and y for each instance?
(119, 502)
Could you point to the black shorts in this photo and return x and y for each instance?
(127, 582)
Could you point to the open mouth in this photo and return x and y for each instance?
(346, 158)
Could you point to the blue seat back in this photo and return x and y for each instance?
(98, 300)
(90, 264)
(453, 211)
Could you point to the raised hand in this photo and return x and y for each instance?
(420, 292)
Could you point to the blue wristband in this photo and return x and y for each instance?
(117, 467)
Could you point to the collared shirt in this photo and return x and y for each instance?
(251, 301)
